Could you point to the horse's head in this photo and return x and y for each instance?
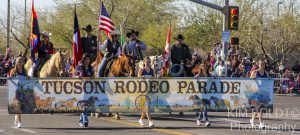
(158, 62)
(74, 99)
(96, 99)
(128, 63)
(58, 63)
(191, 97)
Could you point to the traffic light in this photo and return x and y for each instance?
(234, 41)
(233, 21)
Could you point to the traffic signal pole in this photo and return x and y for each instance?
(225, 12)
(225, 28)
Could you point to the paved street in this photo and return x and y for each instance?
(285, 120)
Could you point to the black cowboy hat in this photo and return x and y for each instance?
(179, 36)
(131, 32)
(88, 28)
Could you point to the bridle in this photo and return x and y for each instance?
(156, 70)
(57, 69)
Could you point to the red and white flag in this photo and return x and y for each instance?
(167, 52)
(77, 46)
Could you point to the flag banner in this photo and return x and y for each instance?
(123, 95)
(167, 51)
(105, 22)
(77, 46)
(34, 33)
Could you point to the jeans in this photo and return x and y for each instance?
(83, 118)
(203, 115)
(102, 65)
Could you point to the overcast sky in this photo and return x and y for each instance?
(21, 3)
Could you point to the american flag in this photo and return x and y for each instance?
(105, 23)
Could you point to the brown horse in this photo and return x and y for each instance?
(44, 103)
(55, 67)
(123, 66)
(196, 69)
(97, 61)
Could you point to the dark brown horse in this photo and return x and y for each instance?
(123, 66)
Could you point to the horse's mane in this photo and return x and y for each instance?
(53, 58)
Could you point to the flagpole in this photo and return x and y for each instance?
(99, 32)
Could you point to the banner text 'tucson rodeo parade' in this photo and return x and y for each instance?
(139, 86)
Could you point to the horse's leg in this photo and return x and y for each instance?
(116, 116)
(180, 114)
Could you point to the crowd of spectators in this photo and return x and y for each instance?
(235, 65)
(238, 65)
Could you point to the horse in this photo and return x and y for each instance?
(197, 101)
(239, 102)
(44, 103)
(68, 103)
(193, 66)
(123, 66)
(55, 67)
(90, 102)
(220, 103)
(97, 61)
(156, 65)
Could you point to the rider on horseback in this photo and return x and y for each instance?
(180, 54)
(112, 46)
(134, 45)
(89, 43)
(45, 50)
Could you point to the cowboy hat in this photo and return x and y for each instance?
(131, 32)
(46, 34)
(179, 36)
(115, 32)
(88, 28)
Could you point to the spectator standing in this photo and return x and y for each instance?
(146, 72)
(84, 70)
(259, 73)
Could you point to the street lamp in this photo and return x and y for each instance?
(278, 8)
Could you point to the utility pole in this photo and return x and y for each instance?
(25, 17)
(278, 8)
(8, 25)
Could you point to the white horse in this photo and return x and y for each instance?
(156, 65)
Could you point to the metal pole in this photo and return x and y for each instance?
(8, 25)
(25, 17)
(278, 8)
(225, 27)
(208, 4)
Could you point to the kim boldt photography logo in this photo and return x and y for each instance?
(273, 125)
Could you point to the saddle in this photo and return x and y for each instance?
(110, 62)
(40, 65)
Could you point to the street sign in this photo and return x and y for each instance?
(225, 36)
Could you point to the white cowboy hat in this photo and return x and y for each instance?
(115, 32)
(45, 33)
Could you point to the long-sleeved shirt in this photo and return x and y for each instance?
(180, 53)
(131, 46)
(110, 47)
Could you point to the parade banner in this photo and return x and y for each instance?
(131, 95)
